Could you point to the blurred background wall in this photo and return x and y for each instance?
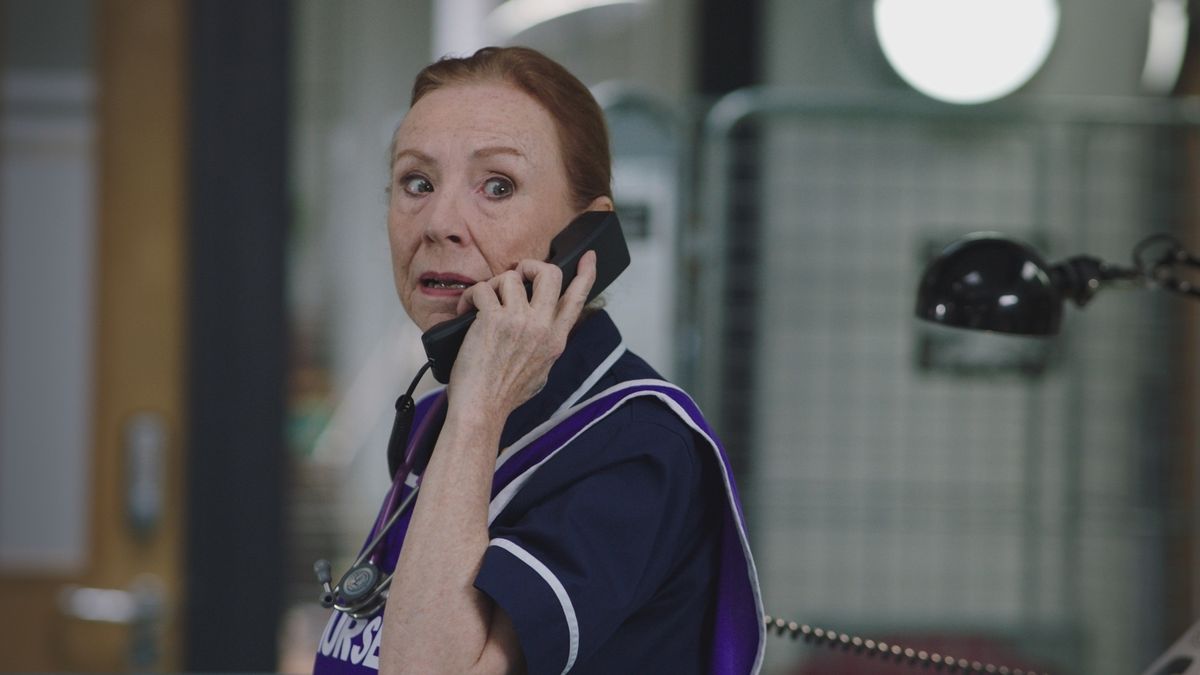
(173, 462)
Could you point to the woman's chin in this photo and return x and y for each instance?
(431, 319)
(427, 312)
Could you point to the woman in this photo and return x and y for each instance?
(618, 546)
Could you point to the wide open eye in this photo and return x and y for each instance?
(498, 187)
(416, 184)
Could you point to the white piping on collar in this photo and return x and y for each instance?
(502, 498)
(593, 378)
(505, 496)
(567, 406)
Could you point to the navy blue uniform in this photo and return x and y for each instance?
(628, 525)
(606, 555)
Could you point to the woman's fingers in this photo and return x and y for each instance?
(508, 352)
(575, 297)
(547, 282)
(510, 288)
(479, 296)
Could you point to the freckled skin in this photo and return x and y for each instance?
(450, 145)
(478, 191)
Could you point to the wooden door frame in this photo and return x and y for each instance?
(238, 217)
(137, 348)
(136, 352)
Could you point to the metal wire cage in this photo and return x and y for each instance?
(1033, 500)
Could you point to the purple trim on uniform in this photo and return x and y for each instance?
(738, 633)
(739, 625)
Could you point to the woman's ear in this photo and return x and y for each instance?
(601, 203)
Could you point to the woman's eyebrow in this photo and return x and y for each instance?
(421, 157)
(493, 150)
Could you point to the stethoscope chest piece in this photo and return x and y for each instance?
(364, 588)
(361, 592)
(358, 582)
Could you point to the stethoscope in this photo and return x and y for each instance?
(363, 590)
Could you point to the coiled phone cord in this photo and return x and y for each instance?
(398, 463)
(886, 651)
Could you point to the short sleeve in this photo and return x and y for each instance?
(597, 533)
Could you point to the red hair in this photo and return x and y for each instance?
(582, 133)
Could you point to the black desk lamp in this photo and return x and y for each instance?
(988, 282)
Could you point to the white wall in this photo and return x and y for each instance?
(47, 231)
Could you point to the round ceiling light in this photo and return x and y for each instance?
(966, 51)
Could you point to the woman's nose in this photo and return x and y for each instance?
(446, 222)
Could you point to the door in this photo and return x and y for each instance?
(91, 561)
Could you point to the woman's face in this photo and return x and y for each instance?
(478, 184)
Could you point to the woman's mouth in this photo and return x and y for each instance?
(439, 283)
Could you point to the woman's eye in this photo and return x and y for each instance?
(417, 185)
(497, 186)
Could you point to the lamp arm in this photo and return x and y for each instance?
(1163, 272)
(1081, 277)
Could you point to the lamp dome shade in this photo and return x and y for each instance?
(986, 282)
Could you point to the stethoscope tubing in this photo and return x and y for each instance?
(387, 527)
(367, 561)
(367, 604)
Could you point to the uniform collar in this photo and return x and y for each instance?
(591, 347)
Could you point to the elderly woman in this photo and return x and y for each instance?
(576, 513)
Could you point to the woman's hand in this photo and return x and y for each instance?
(443, 623)
(506, 356)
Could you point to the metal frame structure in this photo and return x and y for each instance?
(705, 372)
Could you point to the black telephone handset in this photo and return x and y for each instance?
(598, 231)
